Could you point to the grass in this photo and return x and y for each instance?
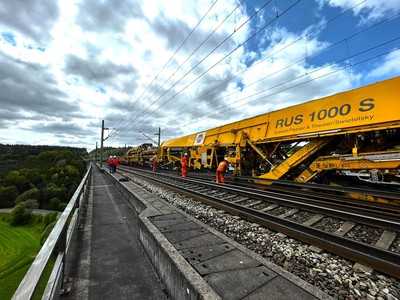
(18, 248)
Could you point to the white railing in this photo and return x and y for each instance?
(56, 245)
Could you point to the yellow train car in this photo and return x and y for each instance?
(353, 133)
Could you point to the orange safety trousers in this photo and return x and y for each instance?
(184, 170)
(220, 177)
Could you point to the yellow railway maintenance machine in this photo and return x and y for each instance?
(140, 155)
(354, 134)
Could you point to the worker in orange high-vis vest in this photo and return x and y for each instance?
(184, 161)
(154, 162)
(222, 167)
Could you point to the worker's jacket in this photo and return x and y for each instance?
(223, 165)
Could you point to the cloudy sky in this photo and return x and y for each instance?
(182, 65)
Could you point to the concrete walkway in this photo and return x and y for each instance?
(112, 264)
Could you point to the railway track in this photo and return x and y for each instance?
(371, 195)
(329, 197)
(301, 217)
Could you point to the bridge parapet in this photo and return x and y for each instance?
(56, 245)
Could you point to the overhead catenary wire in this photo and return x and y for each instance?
(308, 80)
(214, 49)
(328, 74)
(192, 53)
(307, 35)
(299, 77)
(201, 44)
(263, 6)
(346, 39)
(334, 18)
(303, 59)
(148, 86)
(232, 51)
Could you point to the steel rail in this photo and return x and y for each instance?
(320, 194)
(390, 209)
(362, 215)
(297, 187)
(325, 187)
(379, 259)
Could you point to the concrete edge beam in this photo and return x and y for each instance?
(179, 277)
(289, 276)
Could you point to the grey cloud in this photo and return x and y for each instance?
(130, 132)
(106, 73)
(134, 136)
(175, 31)
(132, 108)
(61, 129)
(207, 98)
(33, 18)
(95, 71)
(213, 87)
(28, 87)
(107, 15)
(12, 116)
(8, 115)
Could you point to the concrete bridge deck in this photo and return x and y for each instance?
(131, 244)
(111, 262)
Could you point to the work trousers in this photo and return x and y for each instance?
(220, 177)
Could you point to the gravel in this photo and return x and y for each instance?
(330, 273)
(246, 202)
(329, 224)
(262, 205)
(279, 210)
(300, 217)
(365, 234)
(396, 245)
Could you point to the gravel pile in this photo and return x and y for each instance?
(330, 273)
(365, 234)
(329, 224)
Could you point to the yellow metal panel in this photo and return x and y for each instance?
(376, 106)
(185, 141)
(372, 104)
(300, 155)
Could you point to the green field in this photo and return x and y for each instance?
(18, 248)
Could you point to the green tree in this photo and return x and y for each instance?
(54, 203)
(17, 179)
(72, 171)
(33, 193)
(31, 203)
(20, 215)
(53, 190)
(8, 194)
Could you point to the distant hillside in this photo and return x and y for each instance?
(107, 151)
(43, 176)
(18, 156)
